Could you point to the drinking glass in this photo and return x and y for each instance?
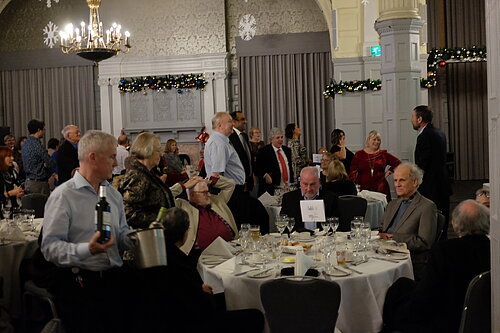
(281, 224)
(328, 248)
(334, 223)
(245, 230)
(291, 224)
(325, 225)
(6, 212)
(255, 232)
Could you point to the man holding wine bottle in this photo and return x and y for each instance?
(88, 290)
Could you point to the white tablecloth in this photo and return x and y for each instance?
(374, 212)
(362, 295)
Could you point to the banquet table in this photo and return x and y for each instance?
(374, 211)
(362, 295)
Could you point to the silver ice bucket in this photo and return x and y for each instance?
(150, 248)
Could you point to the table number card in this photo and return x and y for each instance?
(312, 210)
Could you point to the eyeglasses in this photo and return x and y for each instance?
(241, 119)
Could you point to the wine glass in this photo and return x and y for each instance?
(281, 224)
(333, 223)
(291, 223)
(6, 212)
(325, 225)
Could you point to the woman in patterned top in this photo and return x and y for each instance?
(299, 152)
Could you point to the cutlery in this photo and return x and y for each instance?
(341, 270)
(386, 259)
(354, 270)
(264, 272)
(244, 272)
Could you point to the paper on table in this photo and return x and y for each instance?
(370, 195)
(312, 210)
(219, 247)
(268, 200)
(302, 263)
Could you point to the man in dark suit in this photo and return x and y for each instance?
(67, 156)
(430, 156)
(435, 303)
(309, 190)
(274, 163)
(239, 140)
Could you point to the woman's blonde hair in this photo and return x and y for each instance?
(145, 145)
(336, 171)
(373, 134)
(168, 146)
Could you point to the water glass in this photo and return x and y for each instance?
(325, 225)
(281, 223)
(291, 224)
(245, 230)
(6, 212)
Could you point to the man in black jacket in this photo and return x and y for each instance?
(309, 190)
(67, 155)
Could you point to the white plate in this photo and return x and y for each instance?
(397, 256)
(337, 273)
(259, 275)
(213, 261)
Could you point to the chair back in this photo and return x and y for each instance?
(185, 159)
(441, 220)
(350, 206)
(476, 314)
(300, 304)
(35, 201)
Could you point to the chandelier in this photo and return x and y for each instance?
(89, 42)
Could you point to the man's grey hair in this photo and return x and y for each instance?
(189, 190)
(66, 129)
(471, 218)
(415, 171)
(311, 170)
(217, 119)
(8, 136)
(275, 131)
(94, 141)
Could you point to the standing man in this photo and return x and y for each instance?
(239, 140)
(430, 156)
(90, 287)
(121, 154)
(67, 156)
(37, 163)
(274, 163)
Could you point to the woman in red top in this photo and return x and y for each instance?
(368, 167)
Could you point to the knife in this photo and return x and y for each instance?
(386, 259)
(354, 270)
(244, 272)
(264, 271)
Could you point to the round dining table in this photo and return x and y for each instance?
(362, 294)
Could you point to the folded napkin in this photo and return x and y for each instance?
(393, 246)
(369, 195)
(302, 263)
(11, 232)
(268, 200)
(220, 247)
(292, 249)
(228, 266)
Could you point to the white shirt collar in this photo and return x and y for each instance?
(422, 129)
(236, 131)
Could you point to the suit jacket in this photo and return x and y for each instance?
(218, 204)
(67, 161)
(430, 156)
(418, 225)
(267, 162)
(238, 146)
(290, 205)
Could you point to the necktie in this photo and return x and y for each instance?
(284, 169)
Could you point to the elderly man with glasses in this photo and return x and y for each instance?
(209, 215)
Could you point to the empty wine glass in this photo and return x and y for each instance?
(291, 224)
(333, 223)
(6, 212)
(281, 223)
(325, 225)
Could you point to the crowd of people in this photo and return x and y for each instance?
(234, 169)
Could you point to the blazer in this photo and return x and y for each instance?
(267, 162)
(290, 205)
(418, 225)
(67, 161)
(218, 203)
(430, 156)
(240, 150)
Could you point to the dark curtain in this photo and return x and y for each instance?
(59, 96)
(461, 92)
(287, 88)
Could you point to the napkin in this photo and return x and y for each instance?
(229, 266)
(292, 249)
(220, 247)
(302, 263)
(11, 232)
(370, 195)
(393, 246)
(268, 200)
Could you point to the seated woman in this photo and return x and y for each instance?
(337, 180)
(9, 182)
(368, 167)
(325, 163)
(173, 167)
(143, 191)
(179, 293)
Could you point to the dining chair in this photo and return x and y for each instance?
(350, 206)
(476, 313)
(301, 304)
(35, 201)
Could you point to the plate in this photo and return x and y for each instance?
(259, 273)
(275, 234)
(397, 256)
(304, 238)
(288, 260)
(213, 261)
(337, 273)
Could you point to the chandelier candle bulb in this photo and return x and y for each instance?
(83, 29)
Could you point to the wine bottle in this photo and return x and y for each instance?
(158, 223)
(103, 216)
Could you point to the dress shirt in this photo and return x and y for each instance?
(310, 225)
(421, 130)
(210, 226)
(69, 224)
(220, 156)
(121, 154)
(286, 163)
(34, 156)
(401, 210)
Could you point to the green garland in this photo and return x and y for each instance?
(437, 58)
(351, 86)
(179, 82)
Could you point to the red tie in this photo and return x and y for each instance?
(284, 170)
